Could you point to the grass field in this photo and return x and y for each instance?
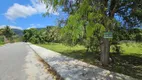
(62, 48)
(1, 44)
(131, 48)
(128, 62)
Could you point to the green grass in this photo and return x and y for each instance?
(131, 48)
(71, 51)
(62, 48)
(128, 62)
(1, 44)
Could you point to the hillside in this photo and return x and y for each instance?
(18, 32)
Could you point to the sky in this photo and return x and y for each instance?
(25, 14)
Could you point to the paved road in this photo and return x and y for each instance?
(19, 62)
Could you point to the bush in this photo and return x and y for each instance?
(138, 37)
(1, 39)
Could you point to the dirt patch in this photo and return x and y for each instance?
(34, 68)
(47, 67)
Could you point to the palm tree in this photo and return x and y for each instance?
(1, 35)
(8, 33)
(1, 32)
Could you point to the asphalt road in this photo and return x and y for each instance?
(18, 62)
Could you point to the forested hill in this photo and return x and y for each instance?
(40, 28)
(18, 32)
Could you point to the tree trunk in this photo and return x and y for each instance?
(105, 48)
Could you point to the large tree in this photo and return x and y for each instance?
(90, 16)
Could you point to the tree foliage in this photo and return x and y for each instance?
(7, 33)
(89, 19)
(49, 34)
(33, 35)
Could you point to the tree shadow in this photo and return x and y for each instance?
(127, 64)
(88, 57)
(130, 65)
(70, 68)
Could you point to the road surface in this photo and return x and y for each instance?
(19, 62)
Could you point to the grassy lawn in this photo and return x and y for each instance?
(1, 44)
(128, 62)
(62, 48)
(71, 51)
(131, 48)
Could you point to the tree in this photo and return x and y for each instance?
(91, 18)
(52, 34)
(1, 31)
(1, 35)
(33, 35)
(8, 33)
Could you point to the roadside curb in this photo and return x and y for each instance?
(52, 71)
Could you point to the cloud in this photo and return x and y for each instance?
(40, 7)
(52, 11)
(30, 27)
(34, 26)
(11, 26)
(23, 11)
(18, 10)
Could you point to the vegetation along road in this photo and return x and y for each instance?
(103, 33)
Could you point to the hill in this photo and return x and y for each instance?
(18, 32)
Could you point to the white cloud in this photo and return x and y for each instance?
(40, 7)
(31, 27)
(11, 26)
(23, 11)
(18, 10)
(34, 26)
(52, 11)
